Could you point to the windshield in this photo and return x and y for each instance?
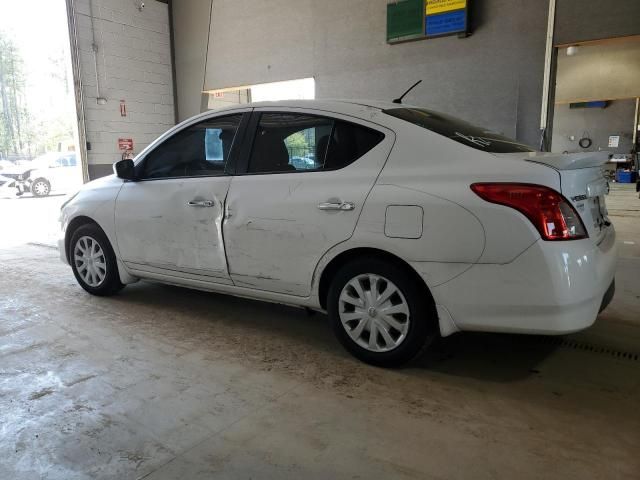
(459, 130)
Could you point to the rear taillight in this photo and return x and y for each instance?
(549, 211)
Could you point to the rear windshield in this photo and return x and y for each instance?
(459, 130)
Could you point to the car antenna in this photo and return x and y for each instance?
(399, 99)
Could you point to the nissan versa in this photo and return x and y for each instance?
(401, 223)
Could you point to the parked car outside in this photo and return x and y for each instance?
(58, 172)
(7, 187)
(302, 163)
(414, 225)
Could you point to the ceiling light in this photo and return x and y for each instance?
(572, 50)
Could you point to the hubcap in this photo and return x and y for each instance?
(41, 188)
(90, 261)
(374, 312)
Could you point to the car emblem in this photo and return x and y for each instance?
(579, 198)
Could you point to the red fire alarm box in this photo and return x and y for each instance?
(125, 144)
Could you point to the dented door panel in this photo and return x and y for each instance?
(157, 228)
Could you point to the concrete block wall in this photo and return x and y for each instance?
(134, 65)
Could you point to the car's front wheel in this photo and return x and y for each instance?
(380, 313)
(93, 261)
(41, 187)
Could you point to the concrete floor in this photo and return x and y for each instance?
(162, 383)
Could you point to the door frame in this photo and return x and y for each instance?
(186, 274)
(299, 175)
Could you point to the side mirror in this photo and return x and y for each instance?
(125, 169)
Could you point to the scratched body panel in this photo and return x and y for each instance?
(163, 231)
(276, 235)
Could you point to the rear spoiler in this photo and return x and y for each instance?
(571, 161)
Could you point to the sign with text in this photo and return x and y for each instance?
(421, 19)
(440, 6)
(445, 17)
(125, 144)
(405, 20)
(614, 141)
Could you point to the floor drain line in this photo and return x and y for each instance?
(588, 347)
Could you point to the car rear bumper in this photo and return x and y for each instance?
(551, 288)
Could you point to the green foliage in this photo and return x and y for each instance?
(25, 132)
(13, 113)
(296, 141)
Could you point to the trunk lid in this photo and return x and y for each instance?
(582, 183)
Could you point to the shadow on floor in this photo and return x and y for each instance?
(490, 357)
(28, 196)
(482, 356)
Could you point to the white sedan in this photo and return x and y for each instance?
(410, 224)
(58, 172)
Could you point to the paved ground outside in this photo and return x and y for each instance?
(161, 382)
(29, 219)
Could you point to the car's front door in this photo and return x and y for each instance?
(169, 221)
(302, 181)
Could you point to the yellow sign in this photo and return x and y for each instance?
(441, 6)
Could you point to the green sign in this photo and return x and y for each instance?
(405, 20)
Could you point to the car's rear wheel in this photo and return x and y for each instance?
(380, 313)
(41, 187)
(93, 261)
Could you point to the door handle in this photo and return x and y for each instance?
(344, 206)
(201, 203)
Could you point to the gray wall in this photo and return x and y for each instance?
(598, 123)
(580, 20)
(190, 36)
(493, 78)
(599, 72)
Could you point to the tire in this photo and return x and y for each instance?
(40, 187)
(100, 276)
(416, 329)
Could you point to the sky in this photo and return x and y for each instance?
(302, 89)
(39, 30)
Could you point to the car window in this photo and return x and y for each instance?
(459, 130)
(349, 142)
(200, 150)
(291, 142)
(286, 142)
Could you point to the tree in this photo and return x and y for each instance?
(297, 144)
(13, 112)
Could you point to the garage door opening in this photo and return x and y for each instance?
(299, 89)
(39, 159)
(596, 102)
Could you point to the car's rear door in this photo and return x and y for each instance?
(169, 222)
(283, 214)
